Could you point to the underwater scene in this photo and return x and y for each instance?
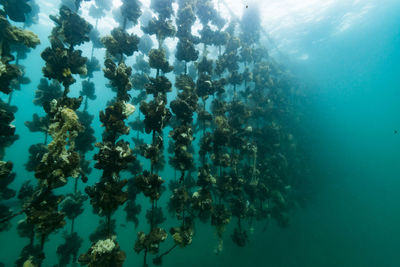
(219, 133)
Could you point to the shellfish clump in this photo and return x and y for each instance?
(103, 246)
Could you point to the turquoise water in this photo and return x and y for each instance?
(350, 214)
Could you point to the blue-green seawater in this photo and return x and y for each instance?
(352, 215)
